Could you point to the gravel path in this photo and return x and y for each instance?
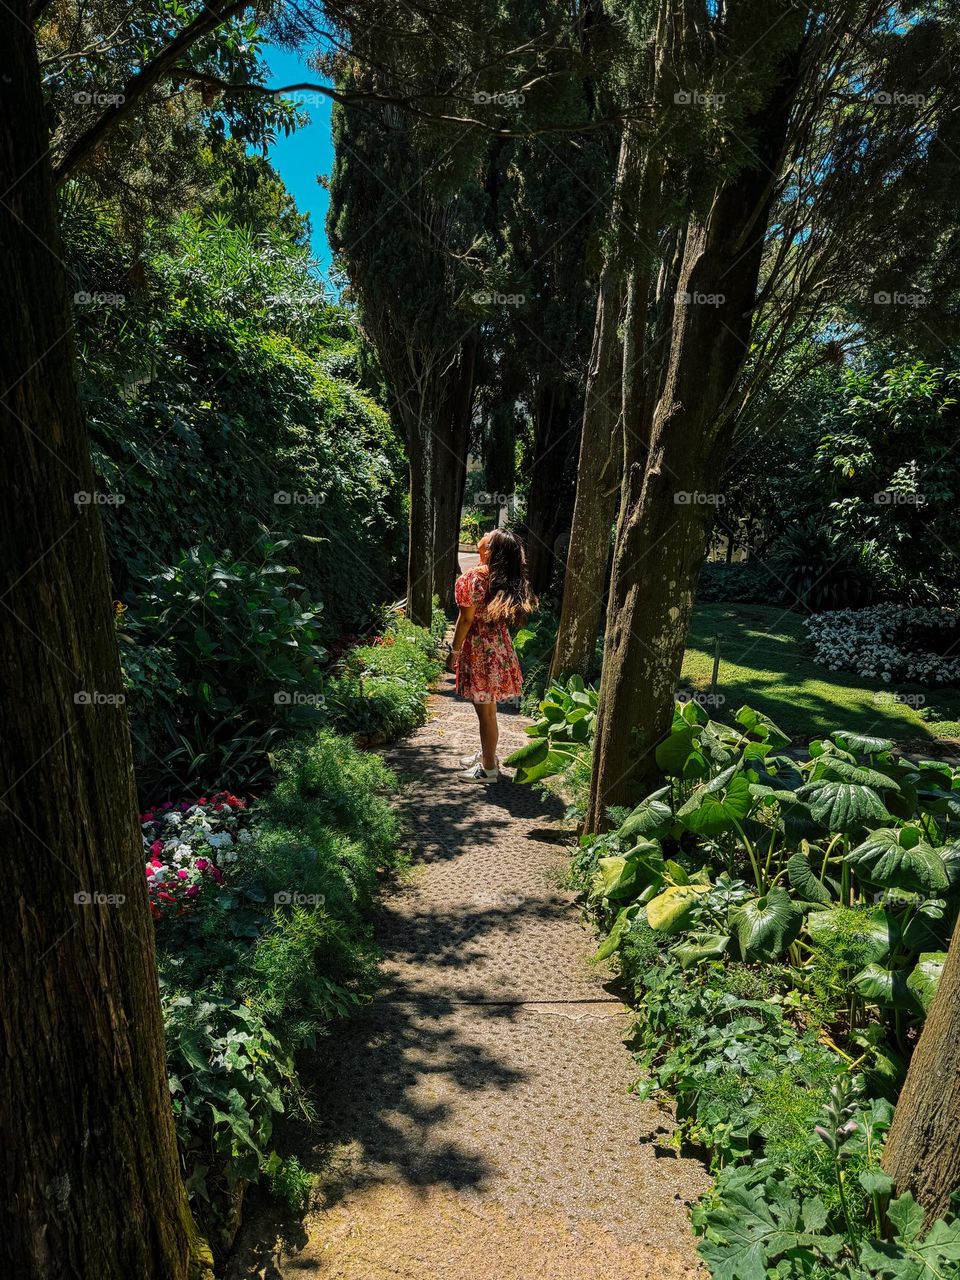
(475, 1118)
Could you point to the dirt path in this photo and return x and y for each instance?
(474, 1121)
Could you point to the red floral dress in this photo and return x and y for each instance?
(487, 668)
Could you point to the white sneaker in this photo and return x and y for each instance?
(467, 761)
(477, 773)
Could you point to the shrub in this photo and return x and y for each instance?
(219, 655)
(278, 941)
(380, 689)
(889, 642)
(817, 571)
(749, 582)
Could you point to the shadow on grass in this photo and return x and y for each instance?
(764, 663)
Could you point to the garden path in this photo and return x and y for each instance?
(474, 1119)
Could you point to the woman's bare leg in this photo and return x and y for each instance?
(489, 732)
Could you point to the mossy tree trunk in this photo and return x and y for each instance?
(672, 469)
(922, 1151)
(92, 1183)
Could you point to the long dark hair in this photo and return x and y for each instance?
(509, 598)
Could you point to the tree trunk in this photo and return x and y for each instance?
(550, 499)
(922, 1152)
(598, 489)
(91, 1183)
(669, 486)
(422, 521)
(451, 468)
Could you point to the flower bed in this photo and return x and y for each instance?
(185, 842)
(889, 642)
(262, 912)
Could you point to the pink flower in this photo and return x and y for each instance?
(181, 875)
(156, 848)
(201, 864)
(217, 875)
(192, 891)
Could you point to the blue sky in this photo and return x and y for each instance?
(306, 153)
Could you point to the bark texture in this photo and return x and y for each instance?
(551, 495)
(922, 1151)
(91, 1177)
(673, 469)
(451, 468)
(598, 489)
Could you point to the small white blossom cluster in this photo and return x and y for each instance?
(879, 643)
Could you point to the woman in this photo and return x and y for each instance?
(492, 597)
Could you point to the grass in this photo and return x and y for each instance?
(764, 661)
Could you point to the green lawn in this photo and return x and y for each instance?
(764, 662)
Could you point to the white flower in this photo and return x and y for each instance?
(219, 839)
(174, 818)
(245, 837)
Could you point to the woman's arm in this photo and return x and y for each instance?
(464, 623)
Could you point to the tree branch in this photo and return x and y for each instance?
(212, 17)
(405, 102)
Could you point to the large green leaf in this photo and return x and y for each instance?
(668, 911)
(860, 742)
(765, 927)
(650, 820)
(835, 766)
(752, 1227)
(929, 928)
(697, 947)
(530, 754)
(899, 858)
(671, 755)
(805, 881)
(622, 875)
(611, 942)
(762, 727)
(886, 988)
(715, 805)
(925, 978)
(842, 806)
(876, 932)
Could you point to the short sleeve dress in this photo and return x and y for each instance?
(487, 668)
